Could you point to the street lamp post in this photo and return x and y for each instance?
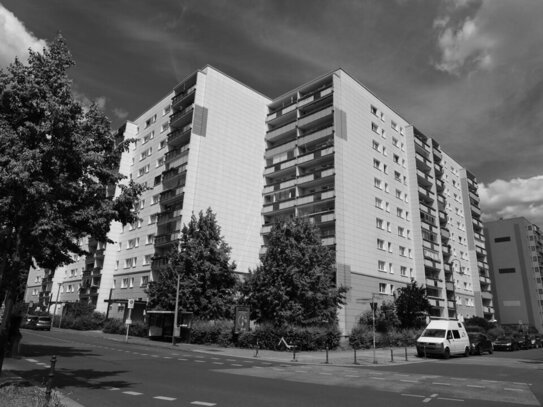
(176, 310)
(373, 305)
(56, 301)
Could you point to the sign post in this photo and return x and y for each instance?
(129, 319)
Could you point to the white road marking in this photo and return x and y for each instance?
(325, 374)
(218, 363)
(474, 385)
(203, 403)
(165, 398)
(442, 384)
(507, 388)
(377, 378)
(301, 371)
(32, 360)
(351, 375)
(409, 381)
(166, 357)
(413, 395)
(112, 388)
(182, 359)
(448, 399)
(200, 361)
(132, 393)
(235, 364)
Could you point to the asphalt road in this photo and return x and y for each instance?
(96, 371)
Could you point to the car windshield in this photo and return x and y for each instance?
(434, 333)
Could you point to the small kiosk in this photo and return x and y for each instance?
(161, 325)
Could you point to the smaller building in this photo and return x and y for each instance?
(515, 255)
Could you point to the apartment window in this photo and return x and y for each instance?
(394, 141)
(403, 271)
(144, 170)
(377, 183)
(379, 223)
(157, 180)
(399, 212)
(381, 265)
(150, 121)
(506, 270)
(504, 239)
(391, 268)
(116, 264)
(155, 199)
(394, 125)
(148, 137)
(386, 188)
(160, 162)
(147, 259)
(385, 169)
(375, 145)
(402, 251)
(385, 151)
(401, 231)
(397, 176)
(144, 281)
(125, 282)
(165, 126)
(146, 153)
(387, 207)
(153, 218)
(380, 244)
(389, 227)
(166, 110)
(398, 194)
(150, 239)
(373, 110)
(382, 288)
(379, 203)
(389, 247)
(396, 158)
(376, 164)
(162, 144)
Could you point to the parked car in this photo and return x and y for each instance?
(479, 343)
(507, 342)
(443, 338)
(38, 322)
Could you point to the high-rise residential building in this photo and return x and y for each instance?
(391, 204)
(199, 147)
(384, 196)
(515, 254)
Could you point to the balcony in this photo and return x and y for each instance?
(167, 239)
(426, 195)
(437, 155)
(438, 168)
(171, 178)
(317, 117)
(286, 132)
(172, 195)
(424, 179)
(179, 136)
(282, 115)
(449, 286)
(167, 217)
(487, 295)
(443, 218)
(177, 99)
(320, 132)
(476, 212)
(159, 264)
(423, 163)
(182, 118)
(445, 234)
(178, 152)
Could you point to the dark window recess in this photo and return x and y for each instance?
(502, 239)
(510, 270)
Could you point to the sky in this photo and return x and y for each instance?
(468, 73)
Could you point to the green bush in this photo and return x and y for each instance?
(305, 338)
(362, 337)
(212, 332)
(117, 326)
(86, 322)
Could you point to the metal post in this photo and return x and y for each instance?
(56, 301)
(355, 361)
(391, 355)
(128, 325)
(326, 354)
(406, 353)
(373, 306)
(294, 353)
(50, 379)
(257, 346)
(176, 310)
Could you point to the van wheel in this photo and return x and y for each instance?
(446, 354)
(466, 352)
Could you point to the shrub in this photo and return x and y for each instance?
(494, 333)
(116, 326)
(362, 337)
(87, 322)
(305, 338)
(212, 332)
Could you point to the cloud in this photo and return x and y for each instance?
(120, 113)
(463, 41)
(517, 197)
(16, 39)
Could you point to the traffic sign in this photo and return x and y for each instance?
(131, 303)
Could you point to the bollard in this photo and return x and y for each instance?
(294, 353)
(50, 379)
(326, 354)
(257, 346)
(391, 355)
(355, 361)
(406, 353)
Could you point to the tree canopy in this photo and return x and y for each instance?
(412, 305)
(295, 284)
(58, 166)
(207, 276)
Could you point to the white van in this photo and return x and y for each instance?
(444, 338)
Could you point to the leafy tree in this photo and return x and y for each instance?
(58, 168)
(483, 323)
(208, 279)
(295, 282)
(385, 317)
(411, 305)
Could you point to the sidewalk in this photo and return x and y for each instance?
(364, 357)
